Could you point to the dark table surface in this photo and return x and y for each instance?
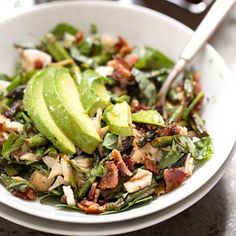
(214, 214)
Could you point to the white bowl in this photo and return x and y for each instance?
(139, 26)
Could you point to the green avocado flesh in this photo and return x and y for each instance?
(119, 119)
(63, 102)
(152, 117)
(93, 92)
(36, 107)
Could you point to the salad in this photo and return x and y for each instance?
(81, 123)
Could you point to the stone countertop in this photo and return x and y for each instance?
(214, 214)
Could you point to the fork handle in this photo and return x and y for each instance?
(209, 24)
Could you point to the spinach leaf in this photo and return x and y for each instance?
(150, 59)
(12, 143)
(76, 55)
(4, 77)
(169, 158)
(204, 149)
(63, 28)
(65, 206)
(198, 125)
(110, 141)
(146, 86)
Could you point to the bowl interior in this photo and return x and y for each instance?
(139, 26)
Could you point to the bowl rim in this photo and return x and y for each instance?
(145, 210)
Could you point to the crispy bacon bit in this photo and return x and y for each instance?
(137, 106)
(172, 129)
(160, 189)
(129, 162)
(92, 191)
(123, 46)
(27, 193)
(131, 59)
(110, 179)
(173, 178)
(168, 131)
(79, 37)
(123, 169)
(150, 165)
(121, 71)
(91, 207)
(38, 64)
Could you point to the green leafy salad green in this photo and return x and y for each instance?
(81, 123)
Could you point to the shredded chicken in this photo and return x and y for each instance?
(189, 165)
(34, 59)
(140, 154)
(58, 182)
(10, 126)
(56, 169)
(69, 194)
(139, 181)
(40, 181)
(66, 169)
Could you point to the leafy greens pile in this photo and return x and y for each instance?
(81, 122)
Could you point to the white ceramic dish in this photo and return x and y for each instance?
(139, 26)
(110, 228)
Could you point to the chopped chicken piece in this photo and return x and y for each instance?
(35, 59)
(70, 199)
(140, 154)
(142, 179)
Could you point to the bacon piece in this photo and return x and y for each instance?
(38, 64)
(123, 46)
(173, 178)
(27, 193)
(150, 165)
(110, 179)
(79, 37)
(131, 59)
(121, 70)
(91, 207)
(123, 169)
(170, 130)
(137, 106)
(129, 162)
(92, 191)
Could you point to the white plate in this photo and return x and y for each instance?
(111, 228)
(139, 26)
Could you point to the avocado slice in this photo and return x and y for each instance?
(152, 117)
(119, 119)
(63, 101)
(35, 105)
(93, 92)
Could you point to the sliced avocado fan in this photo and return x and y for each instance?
(53, 103)
(36, 107)
(63, 101)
